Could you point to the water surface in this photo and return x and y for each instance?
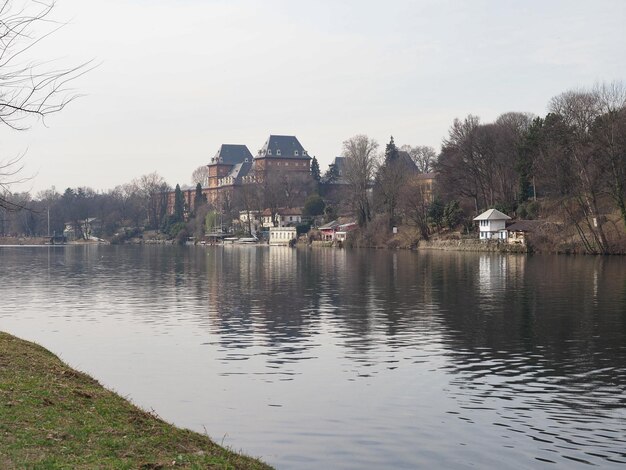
(322, 358)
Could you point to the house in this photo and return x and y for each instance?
(425, 182)
(335, 230)
(282, 235)
(253, 218)
(492, 225)
(284, 217)
(82, 229)
(518, 231)
(328, 230)
(342, 231)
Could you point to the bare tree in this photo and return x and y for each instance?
(390, 178)
(422, 155)
(579, 110)
(154, 193)
(9, 174)
(200, 175)
(28, 89)
(361, 164)
(609, 136)
(415, 203)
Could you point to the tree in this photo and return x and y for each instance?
(391, 152)
(609, 138)
(153, 191)
(452, 214)
(179, 205)
(332, 174)
(315, 171)
(415, 202)
(478, 161)
(422, 155)
(314, 205)
(200, 176)
(27, 89)
(390, 179)
(577, 112)
(199, 198)
(361, 164)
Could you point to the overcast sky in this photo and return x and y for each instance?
(178, 78)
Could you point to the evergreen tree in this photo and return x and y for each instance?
(332, 174)
(524, 163)
(199, 198)
(179, 204)
(315, 170)
(314, 205)
(391, 152)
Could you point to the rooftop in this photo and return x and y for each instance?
(283, 146)
(231, 154)
(492, 214)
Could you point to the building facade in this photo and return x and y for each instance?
(234, 166)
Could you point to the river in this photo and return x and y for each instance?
(325, 358)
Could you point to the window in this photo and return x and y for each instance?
(295, 153)
(246, 160)
(269, 152)
(286, 163)
(278, 152)
(304, 153)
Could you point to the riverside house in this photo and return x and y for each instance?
(282, 235)
(492, 225)
(282, 217)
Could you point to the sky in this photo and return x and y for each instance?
(176, 79)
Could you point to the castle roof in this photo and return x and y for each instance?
(240, 169)
(283, 146)
(231, 154)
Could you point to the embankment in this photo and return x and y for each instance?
(471, 245)
(55, 417)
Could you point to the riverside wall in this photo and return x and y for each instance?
(471, 245)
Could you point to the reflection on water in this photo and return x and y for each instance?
(345, 359)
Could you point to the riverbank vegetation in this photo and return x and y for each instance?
(56, 417)
(567, 169)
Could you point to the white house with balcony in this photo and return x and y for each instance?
(492, 225)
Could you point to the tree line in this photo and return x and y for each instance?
(139, 203)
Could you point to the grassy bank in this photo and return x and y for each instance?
(52, 416)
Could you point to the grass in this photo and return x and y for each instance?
(53, 417)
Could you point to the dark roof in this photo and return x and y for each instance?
(340, 165)
(231, 154)
(240, 169)
(525, 225)
(283, 146)
(407, 161)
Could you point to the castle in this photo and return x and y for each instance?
(233, 166)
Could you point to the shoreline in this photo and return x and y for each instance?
(56, 417)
